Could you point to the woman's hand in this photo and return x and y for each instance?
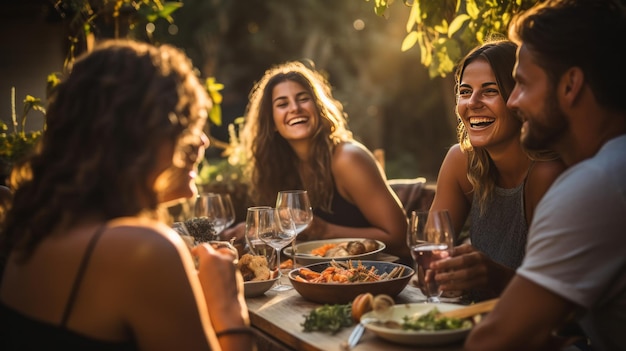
(238, 231)
(469, 268)
(238, 234)
(221, 281)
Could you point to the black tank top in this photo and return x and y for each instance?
(21, 332)
(343, 213)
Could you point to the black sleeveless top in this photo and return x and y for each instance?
(343, 213)
(21, 332)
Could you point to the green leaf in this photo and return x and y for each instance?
(425, 49)
(216, 115)
(169, 7)
(442, 28)
(457, 23)
(409, 41)
(472, 9)
(414, 17)
(213, 88)
(380, 7)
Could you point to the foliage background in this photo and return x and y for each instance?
(391, 100)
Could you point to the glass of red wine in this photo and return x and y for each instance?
(430, 238)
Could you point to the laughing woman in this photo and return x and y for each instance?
(296, 137)
(488, 177)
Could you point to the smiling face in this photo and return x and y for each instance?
(294, 111)
(482, 108)
(534, 100)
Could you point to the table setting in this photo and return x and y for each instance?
(280, 317)
(329, 275)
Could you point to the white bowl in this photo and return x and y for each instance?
(258, 287)
(304, 256)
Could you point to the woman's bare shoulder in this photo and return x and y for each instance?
(351, 147)
(454, 167)
(349, 153)
(154, 239)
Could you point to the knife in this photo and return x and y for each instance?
(354, 338)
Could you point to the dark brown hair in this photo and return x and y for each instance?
(119, 103)
(272, 163)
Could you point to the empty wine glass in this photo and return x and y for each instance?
(256, 246)
(209, 206)
(430, 238)
(298, 203)
(229, 208)
(275, 228)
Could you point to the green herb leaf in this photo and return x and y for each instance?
(328, 318)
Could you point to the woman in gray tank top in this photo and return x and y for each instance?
(487, 180)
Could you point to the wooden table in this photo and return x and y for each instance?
(278, 316)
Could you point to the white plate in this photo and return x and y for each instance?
(416, 337)
(306, 247)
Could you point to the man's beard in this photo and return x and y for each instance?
(542, 132)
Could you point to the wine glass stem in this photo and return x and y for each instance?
(433, 299)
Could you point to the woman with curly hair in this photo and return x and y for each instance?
(296, 137)
(488, 178)
(91, 262)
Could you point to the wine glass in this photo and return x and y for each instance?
(275, 228)
(298, 203)
(209, 206)
(256, 246)
(230, 210)
(430, 238)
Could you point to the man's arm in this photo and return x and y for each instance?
(524, 319)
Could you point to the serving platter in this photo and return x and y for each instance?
(415, 337)
(304, 256)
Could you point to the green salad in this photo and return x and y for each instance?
(430, 322)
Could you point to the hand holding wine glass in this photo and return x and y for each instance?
(430, 238)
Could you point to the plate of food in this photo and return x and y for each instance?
(318, 251)
(257, 276)
(417, 324)
(337, 282)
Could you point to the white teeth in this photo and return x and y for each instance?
(297, 120)
(479, 122)
(476, 120)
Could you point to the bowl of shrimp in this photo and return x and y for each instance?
(339, 282)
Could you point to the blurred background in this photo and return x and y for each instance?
(391, 102)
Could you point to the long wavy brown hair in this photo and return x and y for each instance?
(118, 104)
(481, 172)
(272, 164)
